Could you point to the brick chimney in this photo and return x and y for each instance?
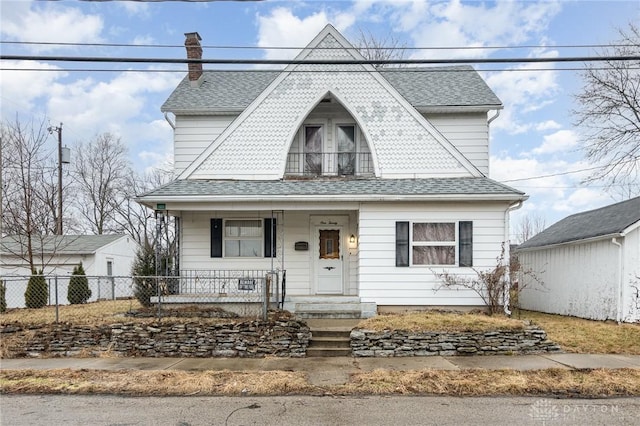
(194, 51)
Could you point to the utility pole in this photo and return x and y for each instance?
(58, 130)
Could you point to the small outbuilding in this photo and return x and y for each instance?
(101, 255)
(588, 265)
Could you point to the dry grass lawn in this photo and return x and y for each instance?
(96, 313)
(579, 335)
(440, 321)
(586, 384)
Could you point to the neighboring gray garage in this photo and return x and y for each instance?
(589, 263)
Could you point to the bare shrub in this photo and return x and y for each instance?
(497, 287)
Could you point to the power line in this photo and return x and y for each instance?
(567, 173)
(244, 47)
(146, 70)
(317, 61)
(407, 69)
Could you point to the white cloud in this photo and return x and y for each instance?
(20, 89)
(135, 8)
(143, 39)
(24, 21)
(477, 24)
(120, 106)
(522, 89)
(283, 29)
(582, 199)
(553, 197)
(560, 141)
(548, 125)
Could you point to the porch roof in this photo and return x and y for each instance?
(465, 188)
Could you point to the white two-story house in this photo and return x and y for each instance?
(358, 184)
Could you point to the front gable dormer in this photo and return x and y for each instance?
(399, 141)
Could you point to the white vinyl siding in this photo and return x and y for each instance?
(193, 134)
(583, 279)
(195, 247)
(469, 133)
(382, 282)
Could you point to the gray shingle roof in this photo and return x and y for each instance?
(233, 91)
(609, 220)
(441, 86)
(53, 244)
(332, 187)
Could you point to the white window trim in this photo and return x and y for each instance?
(225, 238)
(454, 244)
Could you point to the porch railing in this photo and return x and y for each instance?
(229, 282)
(329, 164)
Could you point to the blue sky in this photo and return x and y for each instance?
(533, 136)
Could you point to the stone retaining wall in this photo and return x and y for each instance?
(367, 343)
(253, 339)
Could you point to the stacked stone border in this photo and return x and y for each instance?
(530, 340)
(252, 339)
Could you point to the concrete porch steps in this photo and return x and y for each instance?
(305, 313)
(330, 337)
(337, 307)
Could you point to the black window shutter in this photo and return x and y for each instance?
(269, 237)
(216, 237)
(465, 243)
(402, 243)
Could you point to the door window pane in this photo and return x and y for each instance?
(329, 244)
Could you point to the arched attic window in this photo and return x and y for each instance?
(329, 142)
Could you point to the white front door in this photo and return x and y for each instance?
(328, 259)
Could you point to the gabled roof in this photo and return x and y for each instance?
(54, 244)
(317, 190)
(606, 221)
(425, 88)
(402, 142)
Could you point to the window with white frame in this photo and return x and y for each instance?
(434, 243)
(243, 238)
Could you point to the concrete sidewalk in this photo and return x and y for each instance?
(331, 371)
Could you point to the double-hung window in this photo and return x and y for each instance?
(434, 243)
(243, 237)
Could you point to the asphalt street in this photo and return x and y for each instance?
(99, 410)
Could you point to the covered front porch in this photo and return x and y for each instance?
(299, 259)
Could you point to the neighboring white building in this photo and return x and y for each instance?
(101, 255)
(589, 264)
(358, 182)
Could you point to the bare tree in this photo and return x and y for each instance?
(101, 175)
(380, 49)
(609, 113)
(27, 188)
(528, 226)
(133, 218)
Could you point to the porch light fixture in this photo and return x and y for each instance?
(352, 239)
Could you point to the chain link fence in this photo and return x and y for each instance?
(245, 293)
